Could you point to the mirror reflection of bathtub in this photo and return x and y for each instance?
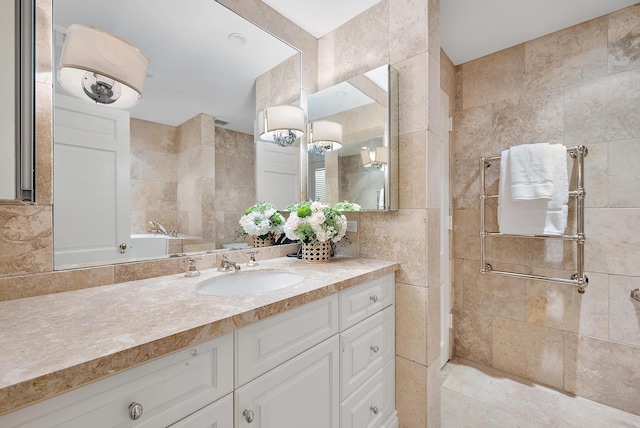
(152, 245)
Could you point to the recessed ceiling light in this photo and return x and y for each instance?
(340, 93)
(237, 38)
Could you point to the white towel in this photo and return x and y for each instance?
(530, 171)
(535, 216)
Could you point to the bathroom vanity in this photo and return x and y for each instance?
(317, 354)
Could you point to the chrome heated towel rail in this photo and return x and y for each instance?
(579, 279)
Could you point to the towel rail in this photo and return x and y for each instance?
(579, 278)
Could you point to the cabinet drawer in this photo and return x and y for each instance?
(168, 389)
(360, 302)
(301, 393)
(373, 403)
(272, 341)
(366, 347)
(215, 415)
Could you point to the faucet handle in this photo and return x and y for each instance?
(252, 257)
(193, 270)
(225, 265)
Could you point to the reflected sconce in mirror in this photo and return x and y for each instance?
(324, 136)
(98, 66)
(281, 124)
(377, 158)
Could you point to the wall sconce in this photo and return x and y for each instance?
(281, 124)
(378, 157)
(324, 136)
(101, 67)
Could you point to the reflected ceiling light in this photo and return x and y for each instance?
(324, 136)
(377, 158)
(237, 38)
(101, 67)
(281, 124)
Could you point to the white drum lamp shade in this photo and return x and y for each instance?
(377, 157)
(280, 122)
(326, 134)
(101, 67)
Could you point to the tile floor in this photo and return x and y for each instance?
(476, 396)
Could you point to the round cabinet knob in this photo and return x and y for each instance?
(374, 410)
(374, 298)
(135, 411)
(249, 416)
(375, 349)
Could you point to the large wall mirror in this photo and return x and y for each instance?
(16, 101)
(174, 173)
(362, 169)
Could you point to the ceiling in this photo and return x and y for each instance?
(469, 29)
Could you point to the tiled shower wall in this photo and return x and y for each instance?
(176, 171)
(580, 85)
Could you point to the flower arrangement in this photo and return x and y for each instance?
(261, 219)
(314, 221)
(347, 206)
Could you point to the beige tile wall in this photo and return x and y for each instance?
(153, 148)
(195, 178)
(580, 85)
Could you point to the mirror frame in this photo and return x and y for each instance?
(24, 102)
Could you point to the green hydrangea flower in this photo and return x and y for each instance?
(304, 211)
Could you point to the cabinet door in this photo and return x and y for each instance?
(372, 403)
(274, 340)
(167, 389)
(366, 347)
(215, 415)
(302, 392)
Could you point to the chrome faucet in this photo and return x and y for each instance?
(157, 227)
(227, 265)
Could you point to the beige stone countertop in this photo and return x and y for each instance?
(55, 342)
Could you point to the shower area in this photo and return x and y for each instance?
(516, 336)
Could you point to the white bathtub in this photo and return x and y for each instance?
(149, 245)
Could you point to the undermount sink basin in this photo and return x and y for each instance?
(244, 283)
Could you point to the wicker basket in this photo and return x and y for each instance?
(267, 242)
(316, 252)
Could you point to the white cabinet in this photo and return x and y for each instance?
(327, 364)
(274, 340)
(367, 367)
(160, 393)
(303, 392)
(360, 302)
(366, 347)
(372, 403)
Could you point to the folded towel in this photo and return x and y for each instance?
(560, 196)
(530, 171)
(535, 216)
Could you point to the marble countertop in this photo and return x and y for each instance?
(56, 342)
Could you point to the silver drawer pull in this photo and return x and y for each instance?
(375, 349)
(374, 298)
(135, 411)
(374, 410)
(249, 416)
